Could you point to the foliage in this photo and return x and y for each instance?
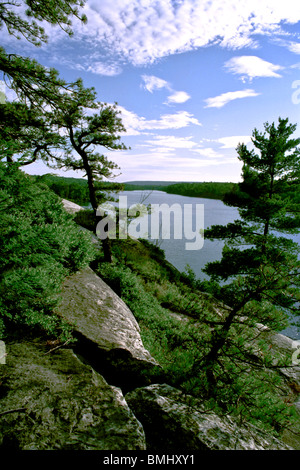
(73, 189)
(216, 351)
(31, 81)
(25, 132)
(40, 245)
(211, 353)
(266, 207)
(55, 13)
(85, 218)
(172, 342)
(144, 187)
(210, 190)
(177, 323)
(53, 119)
(26, 129)
(259, 268)
(86, 132)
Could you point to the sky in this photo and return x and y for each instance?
(192, 79)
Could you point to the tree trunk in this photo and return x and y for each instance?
(106, 244)
(92, 193)
(107, 250)
(221, 339)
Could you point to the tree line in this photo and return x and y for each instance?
(76, 189)
(73, 189)
(210, 190)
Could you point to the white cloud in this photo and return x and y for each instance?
(208, 152)
(251, 67)
(102, 68)
(152, 83)
(172, 142)
(143, 166)
(172, 121)
(143, 31)
(161, 150)
(233, 141)
(294, 47)
(135, 124)
(224, 98)
(178, 97)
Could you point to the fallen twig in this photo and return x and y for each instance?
(57, 347)
(16, 410)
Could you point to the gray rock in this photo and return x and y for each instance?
(54, 401)
(108, 333)
(71, 207)
(283, 347)
(173, 421)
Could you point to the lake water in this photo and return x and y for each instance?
(215, 212)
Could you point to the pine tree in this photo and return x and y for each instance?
(24, 128)
(52, 11)
(32, 127)
(85, 133)
(259, 269)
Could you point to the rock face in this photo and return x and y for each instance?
(71, 207)
(286, 347)
(54, 401)
(173, 421)
(108, 334)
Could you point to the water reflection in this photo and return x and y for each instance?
(215, 212)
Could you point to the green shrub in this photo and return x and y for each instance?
(40, 245)
(173, 342)
(85, 218)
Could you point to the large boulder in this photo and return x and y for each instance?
(52, 401)
(107, 331)
(71, 207)
(286, 348)
(175, 422)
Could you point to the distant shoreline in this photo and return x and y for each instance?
(76, 189)
(209, 190)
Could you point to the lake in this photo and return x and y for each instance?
(214, 212)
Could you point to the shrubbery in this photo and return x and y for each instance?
(173, 342)
(40, 245)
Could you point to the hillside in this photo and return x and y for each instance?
(113, 351)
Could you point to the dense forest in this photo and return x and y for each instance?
(210, 190)
(73, 189)
(76, 189)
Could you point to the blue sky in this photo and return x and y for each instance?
(192, 78)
